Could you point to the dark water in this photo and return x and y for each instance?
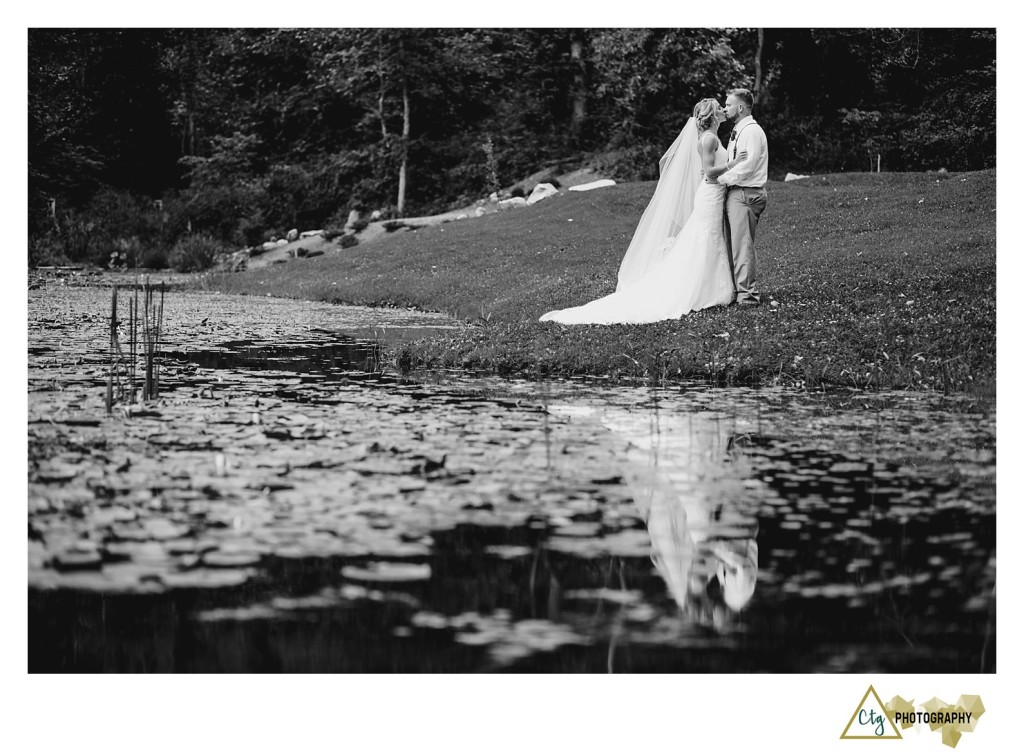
(285, 508)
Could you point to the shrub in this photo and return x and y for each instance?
(154, 257)
(332, 232)
(359, 225)
(124, 253)
(46, 251)
(77, 236)
(250, 230)
(349, 240)
(120, 214)
(518, 192)
(217, 209)
(393, 225)
(195, 253)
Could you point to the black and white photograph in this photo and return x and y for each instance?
(511, 350)
(561, 350)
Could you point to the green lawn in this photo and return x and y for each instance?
(882, 281)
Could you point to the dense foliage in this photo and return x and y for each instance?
(140, 137)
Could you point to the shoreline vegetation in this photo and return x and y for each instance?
(869, 281)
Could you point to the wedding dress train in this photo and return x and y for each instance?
(673, 273)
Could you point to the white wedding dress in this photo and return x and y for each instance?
(676, 263)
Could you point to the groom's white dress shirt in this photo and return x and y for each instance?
(753, 171)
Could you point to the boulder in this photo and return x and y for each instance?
(376, 215)
(603, 183)
(292, 235)
(353, 217)
(281, 242)
(514, 203)
(541, 176)
(269, 245)
(540, 192)
(310, 233)
(236, 262)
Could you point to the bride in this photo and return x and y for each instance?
(678, 260)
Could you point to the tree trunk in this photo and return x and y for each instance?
(380, 75)
(757, 64)
(403, 170)
(579, 87)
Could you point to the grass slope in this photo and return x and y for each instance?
(881, 280)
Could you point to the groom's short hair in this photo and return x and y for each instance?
(745, 96)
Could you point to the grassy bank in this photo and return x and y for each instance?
(881, 281)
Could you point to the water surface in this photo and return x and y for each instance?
(283, 507)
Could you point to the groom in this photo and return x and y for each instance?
(746, 199)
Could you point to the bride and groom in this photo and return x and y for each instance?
(694, 246)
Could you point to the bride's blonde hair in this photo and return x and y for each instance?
(704, 113)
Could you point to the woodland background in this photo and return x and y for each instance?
(165, 145)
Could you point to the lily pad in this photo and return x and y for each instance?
(387, 572)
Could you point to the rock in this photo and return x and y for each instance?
(603, 183)
(282, 242)
(540, 192)
(236, 262)
(480, 212)
(353, 217)
(513, 203)
(269, 245)
(376, 215)
(794, 176)
(310, 233)
(292, 235)
(541, 176)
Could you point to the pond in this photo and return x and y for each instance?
(284, 507)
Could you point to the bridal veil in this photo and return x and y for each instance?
(669, 209)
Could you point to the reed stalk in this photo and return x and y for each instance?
(113, 340)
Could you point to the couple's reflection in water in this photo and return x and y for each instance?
(689, 478)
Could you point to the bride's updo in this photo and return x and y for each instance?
(704, 114)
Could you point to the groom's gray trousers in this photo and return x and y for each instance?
(743, 208)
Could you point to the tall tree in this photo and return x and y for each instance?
(577, 41)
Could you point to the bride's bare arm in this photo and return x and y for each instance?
(708, 149)
(713, 172)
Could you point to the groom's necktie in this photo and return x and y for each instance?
(732, 142)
